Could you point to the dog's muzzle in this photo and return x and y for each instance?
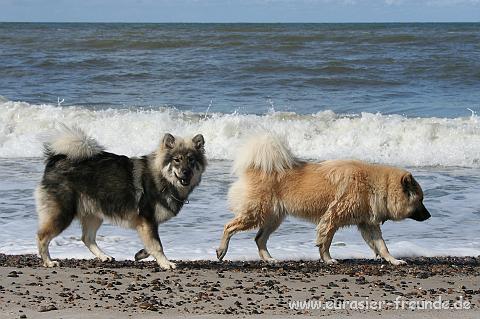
(184, 178)
(420, 214)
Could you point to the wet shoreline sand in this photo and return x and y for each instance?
(206, 289)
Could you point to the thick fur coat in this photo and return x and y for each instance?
(83, 181)
(272, 184)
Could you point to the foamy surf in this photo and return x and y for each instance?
(123, 244)
(392, 139)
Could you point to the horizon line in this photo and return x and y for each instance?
(244, 22)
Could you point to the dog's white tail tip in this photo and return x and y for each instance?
(72, 142)
(266, 153)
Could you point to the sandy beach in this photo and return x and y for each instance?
(205, 289)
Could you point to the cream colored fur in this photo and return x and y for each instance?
(74, 143)
(331, 194)
(265, 153)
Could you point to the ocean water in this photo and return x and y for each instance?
(399, 94)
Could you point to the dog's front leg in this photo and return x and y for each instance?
(325, 233)
(375, 234)
(148, 232)
(367, 236)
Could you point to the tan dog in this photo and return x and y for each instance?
(272, 183)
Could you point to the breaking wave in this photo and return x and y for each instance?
(391, 139)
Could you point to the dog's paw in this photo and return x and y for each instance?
(398, 262)
(106, 258)
(331, 262)
(51, 263)
(166, 265)
(270, 260)
(141, 254)
(221, 253)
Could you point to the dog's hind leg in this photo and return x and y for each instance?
(148, 232)
(90, 225)
(367, 236)
(263, 234)
(141, 254)
(53, 219)
(239, 223)
(375, 234)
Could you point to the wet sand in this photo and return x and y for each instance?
(206, 289)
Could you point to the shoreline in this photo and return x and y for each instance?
(238, 288)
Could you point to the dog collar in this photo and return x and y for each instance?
(185, 201)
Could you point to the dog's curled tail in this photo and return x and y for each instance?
(266, 153)
(72, 142)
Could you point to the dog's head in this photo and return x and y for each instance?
(409, 202)
(182, 160)
(414, 193)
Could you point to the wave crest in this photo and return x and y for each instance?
(391, 139)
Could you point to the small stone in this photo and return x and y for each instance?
(47, 308)
(148, 306)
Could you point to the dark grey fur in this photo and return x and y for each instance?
(124, 190)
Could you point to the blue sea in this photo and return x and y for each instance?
(399, 94)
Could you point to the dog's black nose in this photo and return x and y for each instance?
(421, 214)
(427, 214)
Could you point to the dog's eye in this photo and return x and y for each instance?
(191, 160)
(176, 160)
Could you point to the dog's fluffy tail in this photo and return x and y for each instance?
(266, 153)
(72, 142)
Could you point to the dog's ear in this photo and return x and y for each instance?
(408, 183)
(168, 141)
(198, 141)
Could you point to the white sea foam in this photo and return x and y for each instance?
(123, 244)
(392, 139)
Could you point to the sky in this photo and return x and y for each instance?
(240, 10)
